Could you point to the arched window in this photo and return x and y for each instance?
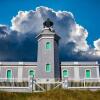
(65, 73)
(88, 73)
(32, 73)
(9, 74)
(48, 45)
(48, 68)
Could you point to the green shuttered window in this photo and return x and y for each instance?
(65, 73)
(48, 45)
(48, 68)
(32, 73)
(9, 74)
(88, 74)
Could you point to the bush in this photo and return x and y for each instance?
(58, 94)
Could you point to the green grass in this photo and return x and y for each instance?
(58, 94)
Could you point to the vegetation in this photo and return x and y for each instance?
(58, 94)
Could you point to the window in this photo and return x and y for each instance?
(65, 73)
(48, 67)
(32, 73)
(48, 45)
(88, 75)
(9, 74)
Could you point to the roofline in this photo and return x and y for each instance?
(57, 37)
(18, 63)
(80, 63)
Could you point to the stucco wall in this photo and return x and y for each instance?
(4, 71)
(82, 72)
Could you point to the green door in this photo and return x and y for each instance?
(32, 73)
(87, 73)
(9, 74)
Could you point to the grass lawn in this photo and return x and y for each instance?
(58, 94)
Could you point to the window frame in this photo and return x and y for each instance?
(48, 45)
(7, 73)
(86, 75)
(67, 73)
(46, 68)
(29, 73)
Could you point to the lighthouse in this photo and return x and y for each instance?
(48, 53)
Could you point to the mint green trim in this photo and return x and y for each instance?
(65, 73)
(88, 74)
(48, 68)
(48, 45)
(9, 74)
(32, 73)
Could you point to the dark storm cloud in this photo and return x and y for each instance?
(14, 47)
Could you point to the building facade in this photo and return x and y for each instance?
(48, 67)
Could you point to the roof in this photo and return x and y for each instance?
(18, 63)
(46, 32)
(80, 63)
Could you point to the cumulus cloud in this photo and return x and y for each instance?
(97, 47)
(64, 24)
(97, 44)
(20, 38)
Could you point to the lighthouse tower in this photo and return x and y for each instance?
(48, 53)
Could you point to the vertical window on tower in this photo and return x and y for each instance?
(48, 45)
(48, 68)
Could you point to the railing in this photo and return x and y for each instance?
(91, 83)
(14, 82)
(40, 85)
(84, 83)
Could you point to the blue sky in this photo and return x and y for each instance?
(86, 12)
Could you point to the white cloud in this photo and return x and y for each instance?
(97, 44)
(97, 47)
(79, 35)
(64, 24)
